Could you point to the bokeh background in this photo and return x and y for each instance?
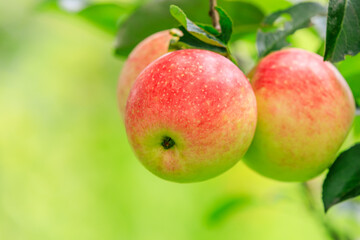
(68, 172)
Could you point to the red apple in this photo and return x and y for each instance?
(190, 115)
(305, 110)
(143, 54)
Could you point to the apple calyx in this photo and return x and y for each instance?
(167, 142)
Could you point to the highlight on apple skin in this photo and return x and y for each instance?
(191, 115)
(305, 111)
(142, 55)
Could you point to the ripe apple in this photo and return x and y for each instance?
(143, 54)
(190, 115)
(305, 110)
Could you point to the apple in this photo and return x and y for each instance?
(305, 111)
(190, 115)
(142, 55)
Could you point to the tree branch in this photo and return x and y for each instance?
(311, 206)
(214, 15)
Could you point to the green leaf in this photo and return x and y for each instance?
(300, 14)
(246, 17)
(188, 41)
(269, 6)
(202, 36)
(105, 15)
(193, 29)
(154, 16)
(208, 28)
(351, 72)
(226, 207)
(151, 17)
(343, 179)
(225, 24)
(343, 29)
(178, 14)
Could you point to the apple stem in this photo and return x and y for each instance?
(214, 15)
(167, 142)
(309, 201)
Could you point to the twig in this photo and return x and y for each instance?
(311, 206)
(214, 15)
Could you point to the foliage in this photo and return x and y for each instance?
(300, 17)
(342, 36)
(202, 36)
(66, 169)
(343, 180)
(105, 16)
(343, 30)
(227, 207)
(154, 16)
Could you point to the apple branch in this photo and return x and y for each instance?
(309, 201)
(214, 15)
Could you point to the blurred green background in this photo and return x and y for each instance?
(68, 172)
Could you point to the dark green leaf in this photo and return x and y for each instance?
(193, 29)
(343, 179)
(226, 207)
(202, 36)
(154, 16)
(300, 15)
(225, 24)
(188, 41)
(343, 29)
(208, 28)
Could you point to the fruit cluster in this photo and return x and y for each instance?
(192, 114)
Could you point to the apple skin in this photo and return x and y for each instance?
(203, 102)
(305, 111)
(141, 56)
